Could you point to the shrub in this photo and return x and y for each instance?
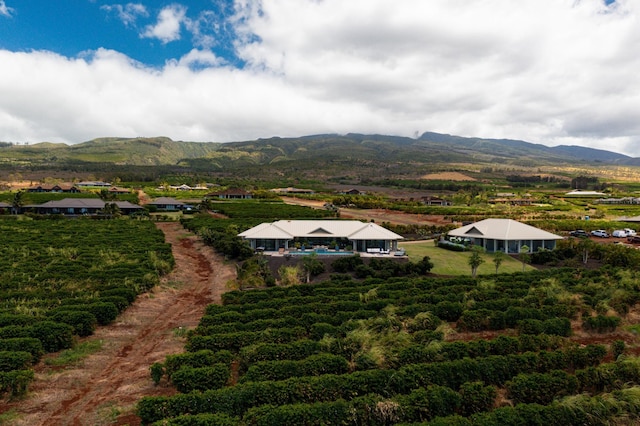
(188, 379)
(26, 344)
(15, 382)
(601, 323)
(13, 360)
(54, 336)
(157, 371)
(83, 323)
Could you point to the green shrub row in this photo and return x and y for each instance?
(188, 379)
(26, 344)
(314, 365)
(14, 360)
(501, 345)
(203, 358)
(494, 370)
(235, 341)
(54, 336)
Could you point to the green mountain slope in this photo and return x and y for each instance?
(331, 153)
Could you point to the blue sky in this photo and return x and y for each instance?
(546, 71)
(149, 33)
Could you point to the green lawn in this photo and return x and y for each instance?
(447, 262)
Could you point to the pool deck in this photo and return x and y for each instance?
(333, 253)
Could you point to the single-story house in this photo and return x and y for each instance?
(292, 190)
(581, 193)
(93, 183)
(62, 187)
(118, 190)
(80, 207)
(231, 194)
(287, 234)
(430, 200)
(506, 235)
(167, 204)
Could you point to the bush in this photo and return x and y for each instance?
(15, 382)
(26, 344)
(601, 323)
(83, 323)
(12, 360)
(188, 379)
(54, 336)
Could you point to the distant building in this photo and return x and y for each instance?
(80, 207)
(62, 187)
(291, 190)
(93, 183)
(167, 204)
(231, 194)
(580, 193)
(434, 201)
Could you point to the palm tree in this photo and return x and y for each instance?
(498, 257)
(17, 202)
(475, 260)
(111, 210)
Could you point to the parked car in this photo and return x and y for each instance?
(579, 233)
(619, 233)
(630, 232)
(634, 239)
(600, 233)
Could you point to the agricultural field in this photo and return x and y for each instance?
(60, 279)
(551, 347)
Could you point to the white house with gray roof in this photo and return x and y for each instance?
(287, 234)
(506, 235)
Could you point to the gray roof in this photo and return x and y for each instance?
(503, 229)
(289, 229)
(79, 203)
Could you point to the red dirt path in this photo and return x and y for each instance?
(104, 388)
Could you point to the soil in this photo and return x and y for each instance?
(376, 215)
(104, 388)
(452, 176)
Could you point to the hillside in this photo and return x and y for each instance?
(317, 156)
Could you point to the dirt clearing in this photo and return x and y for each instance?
(104, 388)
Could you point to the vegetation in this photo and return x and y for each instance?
(60, 279)
(376, 350)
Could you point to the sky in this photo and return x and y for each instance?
(555, 72)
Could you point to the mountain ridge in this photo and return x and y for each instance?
(428, 148)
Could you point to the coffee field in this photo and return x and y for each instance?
(60, 279)
(503, 350)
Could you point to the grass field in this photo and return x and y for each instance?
(447, 262)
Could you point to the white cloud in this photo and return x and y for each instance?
(129, 13)
(545, 71)
(170, 20)
(5, 10)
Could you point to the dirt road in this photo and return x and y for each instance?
(104, 388)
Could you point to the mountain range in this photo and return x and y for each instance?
(313, 151)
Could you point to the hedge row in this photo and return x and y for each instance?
(314, 365)
(54, 336)
(203, 358)
(235, 341)
(238, 399)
